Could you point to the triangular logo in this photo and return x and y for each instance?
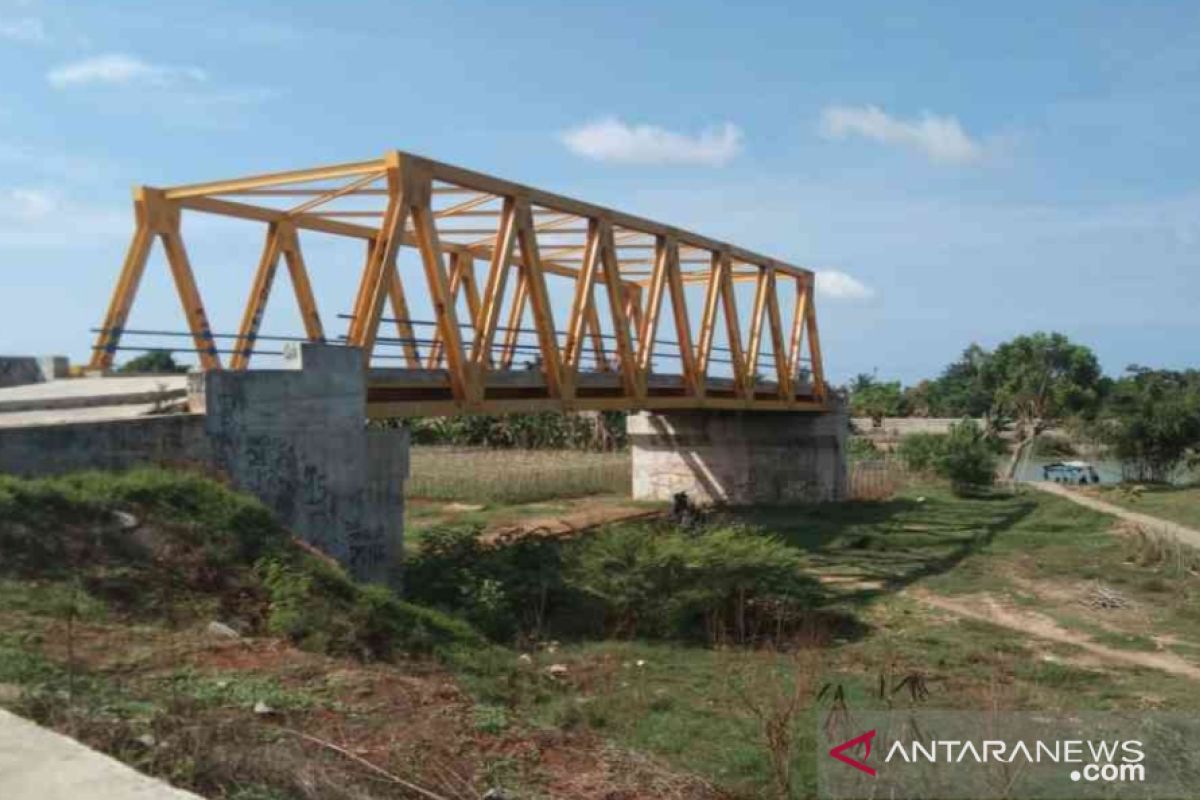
(864, 740)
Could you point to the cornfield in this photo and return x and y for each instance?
(482, 475)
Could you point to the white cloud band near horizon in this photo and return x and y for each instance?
(615, 141)
(119, 69)
(941, 139)
(838, 285)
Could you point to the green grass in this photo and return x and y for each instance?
(1176, 503)
(683, 705)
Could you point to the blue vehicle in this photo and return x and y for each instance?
(1079, 473)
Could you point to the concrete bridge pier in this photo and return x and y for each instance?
(740, 457)
(297, 439)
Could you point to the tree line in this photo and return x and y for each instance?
(1149, 417)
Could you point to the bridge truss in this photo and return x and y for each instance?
(618, 271)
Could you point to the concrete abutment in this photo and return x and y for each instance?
(738, 457)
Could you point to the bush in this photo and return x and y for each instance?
(504, 591)
(724, 582)
(860, 448)
(919, 451)
(650, 580)
(967, 458)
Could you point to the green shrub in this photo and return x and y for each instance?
(860, 448)
(317, 606)
(651, 580)
(919, 451)
(504, 591)
(967, 458)
(199, 548)
(724, 582)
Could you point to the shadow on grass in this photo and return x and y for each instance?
(863, 550)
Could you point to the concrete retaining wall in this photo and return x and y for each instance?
(22, 370)
(295, 437)
(177, 439)
(739, 458)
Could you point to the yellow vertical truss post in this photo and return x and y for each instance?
(814, 348)
(377, 279)
(185, 282)
(516, 313)
(109, 337)
(783, 376)
(683, 326)
(798, 323)
(762, 287)
(648, 329)
(729, 307)
(493, 294)
(462, 277)
(617, 301)
(593, 324)
(462, 384)
(260, 292)
(398, 300)
(289, 243)
(709, 317)
(582, 303)
(539, 301)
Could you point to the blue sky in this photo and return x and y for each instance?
(956, 172)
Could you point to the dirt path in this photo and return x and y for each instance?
(1189, 536)
(986, 608)
(569, 524)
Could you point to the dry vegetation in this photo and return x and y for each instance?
(481, 475)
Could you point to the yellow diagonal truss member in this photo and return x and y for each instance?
(485, 261)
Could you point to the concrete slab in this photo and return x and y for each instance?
(39, 763)
(91, 392)
(69, 416)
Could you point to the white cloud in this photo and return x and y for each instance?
(611, 139)
(26, 204)
(119, 69)
(941, 139)
(840, 286)
(24, 29)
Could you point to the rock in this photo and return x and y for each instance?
(525, 658)
(495, 794)
(125, 520)
(146, 740)
(221, 631)
(557, 670)
(262, 708)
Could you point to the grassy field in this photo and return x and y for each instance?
(891, 570)
(1177, 503)
(948, 602)
(483, 476)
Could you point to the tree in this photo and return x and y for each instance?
(960, 390)
(966, 458)
(870, 398)
(155, 362)
(1038, 379)
(1152, 421)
